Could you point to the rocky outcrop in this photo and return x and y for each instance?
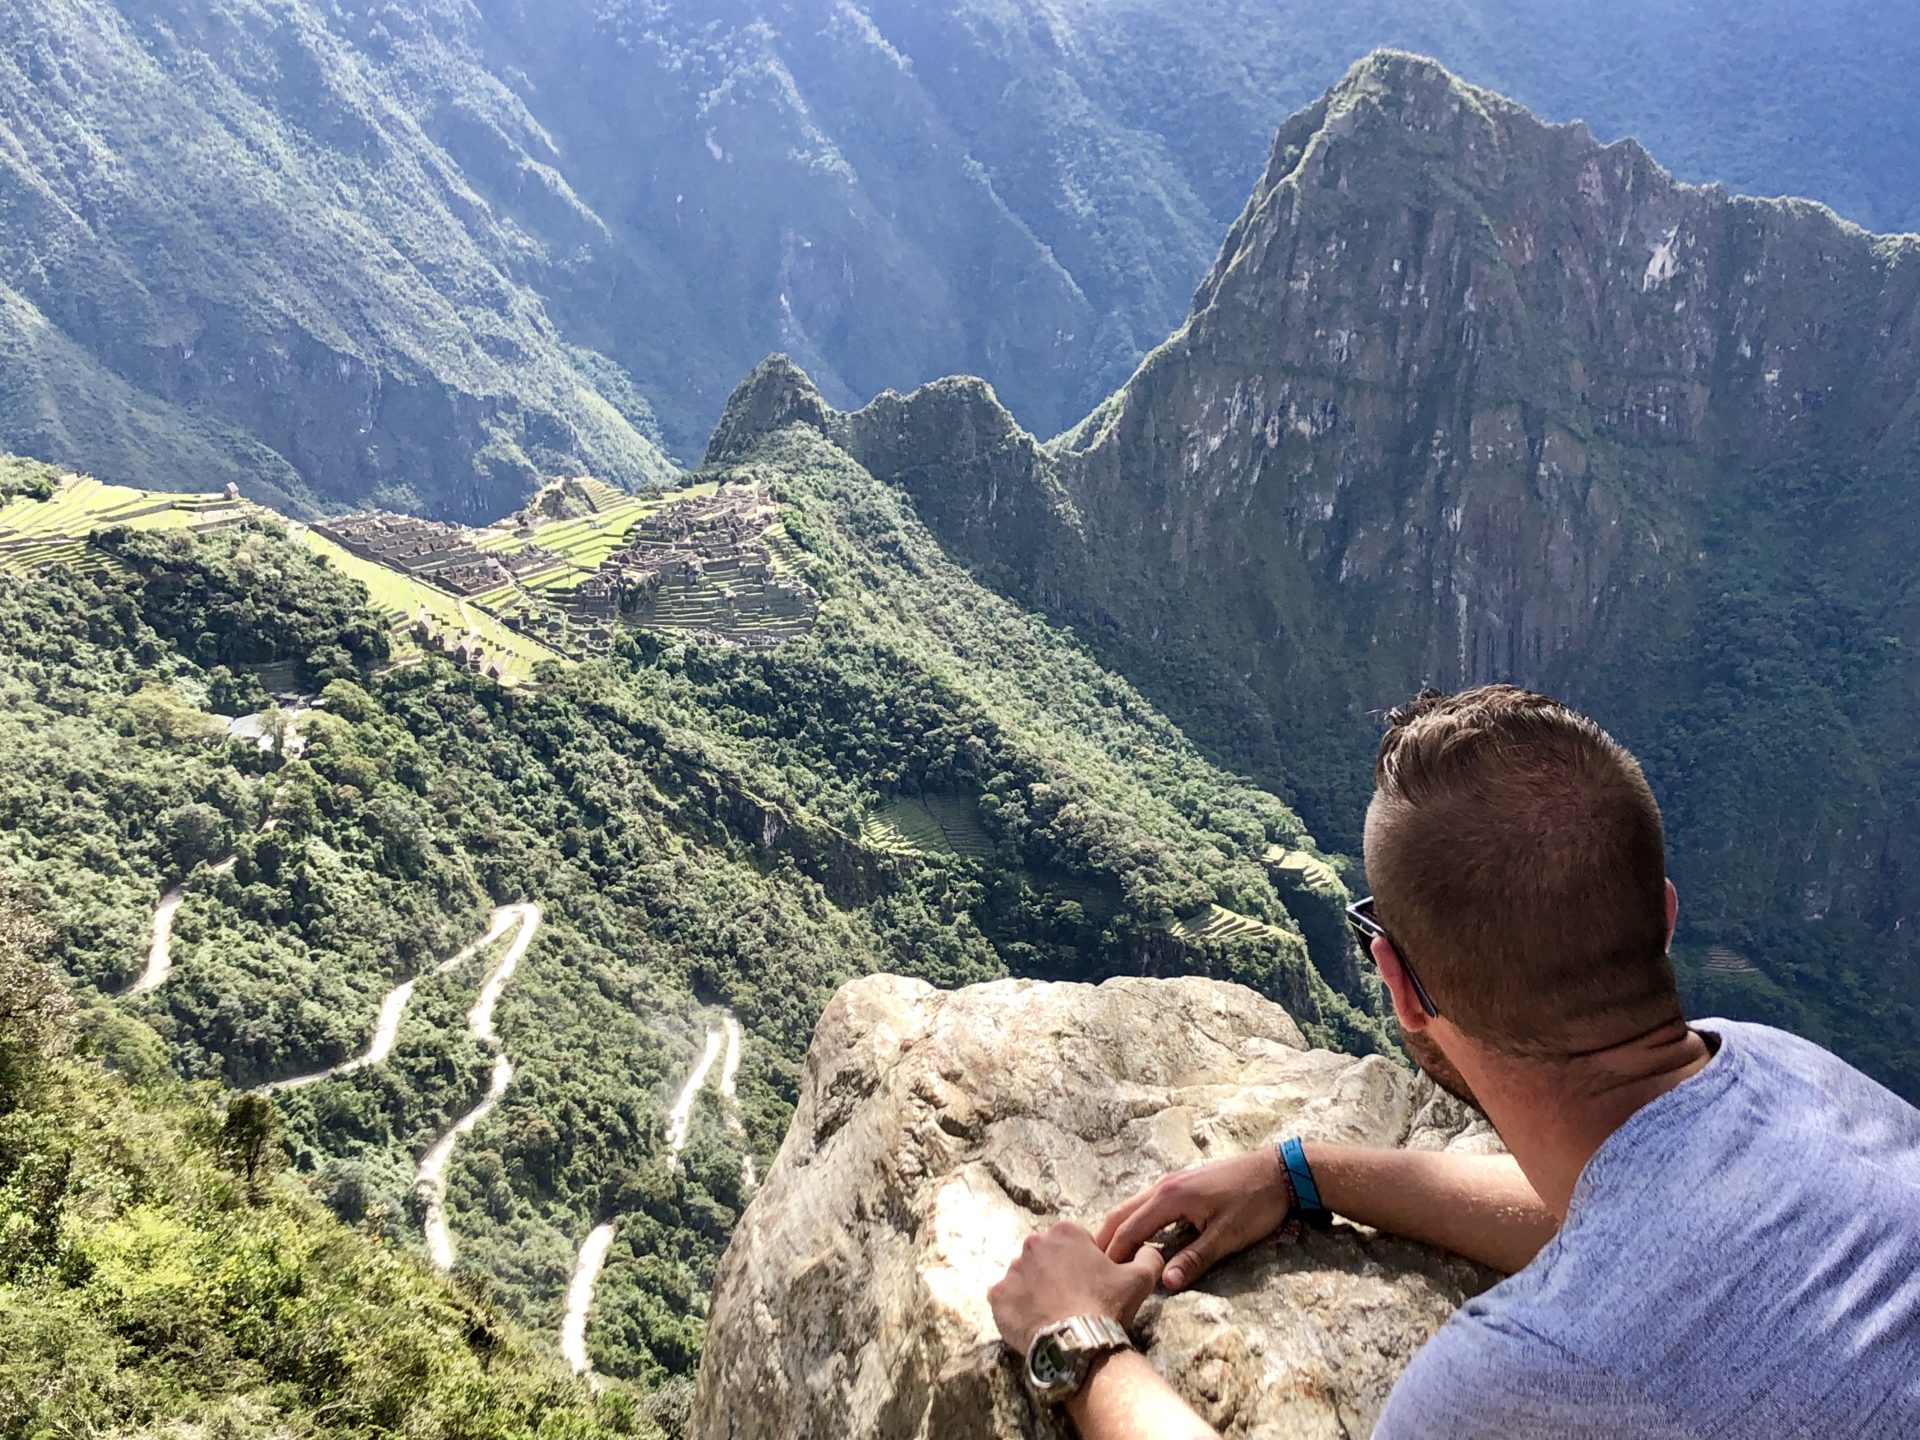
(775, 394)
(935, 1130)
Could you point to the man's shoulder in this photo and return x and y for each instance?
(1489, 1373)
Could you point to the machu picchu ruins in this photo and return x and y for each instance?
(560, 579)
(713, 565)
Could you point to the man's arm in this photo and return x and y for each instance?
(1062, 1273)
(1125, 1399)
(1479, 1206)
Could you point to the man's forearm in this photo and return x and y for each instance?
(1125, 1399)
(1479, 1206)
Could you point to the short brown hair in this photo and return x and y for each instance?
(1515, 851)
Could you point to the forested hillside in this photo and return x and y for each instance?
(428, 253)
(158, 1272)
(933, 782)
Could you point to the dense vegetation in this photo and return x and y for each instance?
(406, 252)
(702, 827)
(26, 479)
(158, 1271)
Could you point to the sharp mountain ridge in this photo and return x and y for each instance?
(1470, 397)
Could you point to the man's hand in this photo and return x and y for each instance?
(1062, 1274)
(1233, 1203)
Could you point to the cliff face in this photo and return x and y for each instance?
(1469, 397)
(935, 1130)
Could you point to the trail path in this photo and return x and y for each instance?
(586, 1274)
(593, 1252)
(160, 947)
(680, 1118)
(433, 1165)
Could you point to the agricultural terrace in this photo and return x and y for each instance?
(406, 601)
(927, 825)
(38, 534)
(1217, 922)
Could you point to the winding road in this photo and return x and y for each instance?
(730, 1092)
(393, 1009)
(586, 1274)
(593, 1251)
(680, 1117)
(160, 947)
(433, 1165)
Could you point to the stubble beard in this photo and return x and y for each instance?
(1434, 1064)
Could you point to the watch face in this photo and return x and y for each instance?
(1049, 1362)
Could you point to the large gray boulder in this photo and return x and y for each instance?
(935, 1130)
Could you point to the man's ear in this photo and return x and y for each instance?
(1673, 911)
(1406, 1004)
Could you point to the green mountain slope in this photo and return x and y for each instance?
(231, 254)
(1467, 397)
(158, 1278)
(929, 779)
(425, 254)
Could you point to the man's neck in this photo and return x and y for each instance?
(1553, 1114)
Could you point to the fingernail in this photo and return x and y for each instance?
(1174, 1277)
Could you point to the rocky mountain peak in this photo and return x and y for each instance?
(1469, 397)
(776, 393)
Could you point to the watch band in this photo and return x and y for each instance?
(1062, 1354)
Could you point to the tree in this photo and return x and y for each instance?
(36, 1008)
(248, 1136)
(195, 834)
(158, 711)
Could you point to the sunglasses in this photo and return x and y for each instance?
(1367, 929)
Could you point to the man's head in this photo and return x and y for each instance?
(1516, 860)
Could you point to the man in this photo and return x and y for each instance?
(1711, 1231)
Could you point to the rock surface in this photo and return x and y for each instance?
(935, 1130)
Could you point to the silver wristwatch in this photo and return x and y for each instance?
(1062, 1355)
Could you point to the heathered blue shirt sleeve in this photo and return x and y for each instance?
(1741, 1258)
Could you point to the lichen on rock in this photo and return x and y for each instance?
(936, 1130)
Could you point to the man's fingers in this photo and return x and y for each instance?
(1144, 1271)
(1147, 1220)
(1103, 1237)
(1191, 1263)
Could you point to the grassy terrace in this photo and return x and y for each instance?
(400, 597)
(1217, 922)
(1304, 869)
(37, 534)
(931, 824)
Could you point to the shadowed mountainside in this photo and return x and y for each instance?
(1468, 397)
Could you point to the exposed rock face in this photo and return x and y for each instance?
(936, 1130)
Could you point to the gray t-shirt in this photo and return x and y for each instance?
(1741, 1258)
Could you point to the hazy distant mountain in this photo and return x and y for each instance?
(427, 251)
